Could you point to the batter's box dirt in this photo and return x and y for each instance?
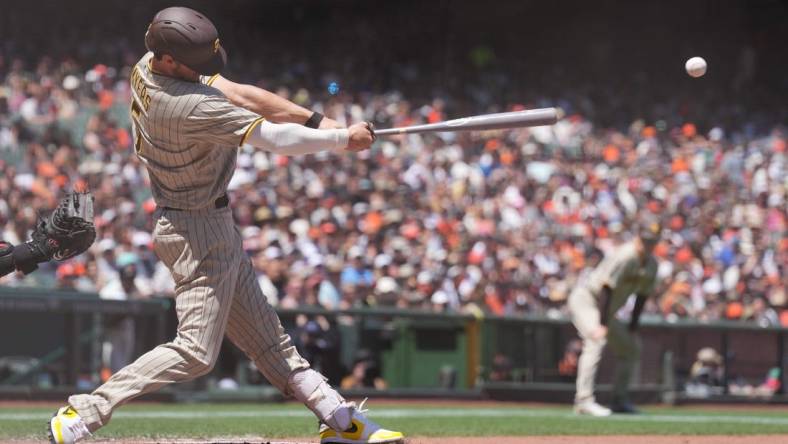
(176, 441)
(618, 439)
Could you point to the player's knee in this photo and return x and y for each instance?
(200, 365)
(202, 368)
(594, 344)
(199, 360)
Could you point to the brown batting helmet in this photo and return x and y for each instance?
(189, 37)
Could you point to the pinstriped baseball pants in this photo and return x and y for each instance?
(586, 318)
(216, 294)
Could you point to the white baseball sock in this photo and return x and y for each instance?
(311, 388)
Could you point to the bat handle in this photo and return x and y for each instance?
(390, 131)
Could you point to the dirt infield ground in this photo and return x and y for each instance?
(636, 439)
(621, 439)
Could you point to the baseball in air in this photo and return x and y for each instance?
(696, 66)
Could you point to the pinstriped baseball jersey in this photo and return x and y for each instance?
(187, 135)
(622, 271)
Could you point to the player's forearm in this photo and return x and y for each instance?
(24, 257)
(6, 258)
(267, 104)
(640, 302)
(294, 140)
(604, 305)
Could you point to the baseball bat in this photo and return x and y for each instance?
(514, 119)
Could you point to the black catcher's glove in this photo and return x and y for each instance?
(69, 230)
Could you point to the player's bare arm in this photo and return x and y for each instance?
(267, 104)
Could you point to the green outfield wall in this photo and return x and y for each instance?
(54, 339)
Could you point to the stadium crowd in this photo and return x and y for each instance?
(500, 222)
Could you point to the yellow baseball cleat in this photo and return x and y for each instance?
(362, 430)
(67, 427)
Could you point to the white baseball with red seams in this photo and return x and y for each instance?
(695, 66)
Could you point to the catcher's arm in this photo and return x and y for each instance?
(6, 258)
(67, 232)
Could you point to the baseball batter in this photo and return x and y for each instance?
(188, 123)
(627, 270)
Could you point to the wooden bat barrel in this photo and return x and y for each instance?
(514, 119)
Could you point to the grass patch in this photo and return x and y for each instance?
(422, 419)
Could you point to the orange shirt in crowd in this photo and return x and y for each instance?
(494, 303)
(611, 154)
(679, 165)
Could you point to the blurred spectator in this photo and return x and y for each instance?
(766, 389)
(708, 368)
(771, 383)
(319, 343)
(567, 366)
(707, 374)
(497, 222)
(356, 273)
(501, 368)
(364, 374)
(125, 284)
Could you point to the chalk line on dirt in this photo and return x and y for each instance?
(427, 412)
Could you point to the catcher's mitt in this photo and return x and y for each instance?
(69, 230)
